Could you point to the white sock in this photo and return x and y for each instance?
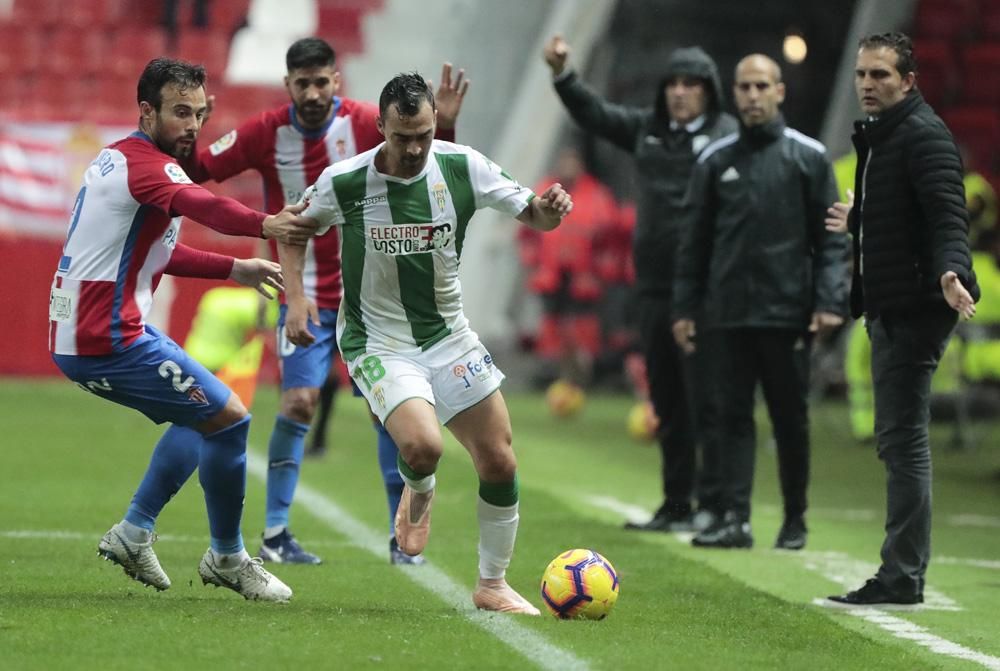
(497, 531)
(133, 533)
(271, 532)
(230, 561)
(421, 486)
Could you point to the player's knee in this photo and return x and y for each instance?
(299, 404)
(497, 463)
(421, 453)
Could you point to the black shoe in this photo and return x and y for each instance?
(792, 535)
(397, 556)
(666, 520)
(727, 532)
(874, 593)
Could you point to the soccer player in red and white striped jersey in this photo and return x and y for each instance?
(289, 147)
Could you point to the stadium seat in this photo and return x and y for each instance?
(978, 129)
(74, 52)
(20, 51)
(134, 47)
(342, 27)
(227, 16)
(989, 22)
(945, 19)
(208, 47)
(938, 75)
(982, 65)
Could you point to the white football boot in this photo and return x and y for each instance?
(137, 559)
(249, 578)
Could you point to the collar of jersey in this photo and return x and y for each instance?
(140, 135)
(400, 180)
(319, 132)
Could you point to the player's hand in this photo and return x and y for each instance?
(957, 295)
(555, 203)
(824, 323)
(556, 53)
(258, 274)
(300, 312)
(684, 333)
(449, 96)
(290, 228)
(836, 214)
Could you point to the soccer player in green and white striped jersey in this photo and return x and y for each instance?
(403, 209)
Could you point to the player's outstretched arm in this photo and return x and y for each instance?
(289, 227)
(259, 274)
(231, 217)
(301, 310)
(547, 210)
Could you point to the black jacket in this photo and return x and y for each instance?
(664, 157)
(909, 221)
(757, 253)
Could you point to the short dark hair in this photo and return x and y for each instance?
(405, 91)
(906, 61)
(162, 71)
(309, 52)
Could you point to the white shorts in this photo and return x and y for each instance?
(453, 375)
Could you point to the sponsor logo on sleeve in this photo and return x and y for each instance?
(176, 173)
(223, 143)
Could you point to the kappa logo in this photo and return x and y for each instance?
(176, 173)
(730, 175)
(223, 143)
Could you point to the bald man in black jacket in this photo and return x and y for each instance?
(913, 278)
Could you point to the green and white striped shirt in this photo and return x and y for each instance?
(401, 242)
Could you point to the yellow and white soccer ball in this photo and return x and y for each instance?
(564, 398)
(580, 584)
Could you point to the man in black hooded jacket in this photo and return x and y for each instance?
(913, 278)
(665, 140)
(758, 258)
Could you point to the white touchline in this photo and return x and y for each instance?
(521, 639)
(840, 568)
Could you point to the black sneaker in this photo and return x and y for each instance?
(874, 593)
(727, 532)
(284, 549)
(397, 556)
(666, 520)
(792, 535)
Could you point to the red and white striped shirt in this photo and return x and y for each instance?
(120, 239)
(291, 158)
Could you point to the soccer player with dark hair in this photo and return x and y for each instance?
(122, 237)
(290, 146)
(402, 210)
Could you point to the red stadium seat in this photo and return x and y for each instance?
(981, 63)
(989, 22)
(978, 130)
(74, 52)
(207, 47)
(133, 48)
(342, 27)
(226, 16)
(20, 51)
(937, 75)
(945, 19)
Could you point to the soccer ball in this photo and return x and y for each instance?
(580, 584)
(642, 422)
(564, 398)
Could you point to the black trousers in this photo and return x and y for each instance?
(681, 390)
(906, 350)
(779, 360)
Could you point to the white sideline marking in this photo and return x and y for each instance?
(840, 568)
(969, 520)
(96, 536)
(961, 561)
(907, 630)
(521, 639)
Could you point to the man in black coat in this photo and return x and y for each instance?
(758, 258)
(664, 139)
(913, 278)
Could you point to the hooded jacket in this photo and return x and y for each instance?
(664, 157)
(757, 253)
(910, 222)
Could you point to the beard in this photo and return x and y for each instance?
(314, 114)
